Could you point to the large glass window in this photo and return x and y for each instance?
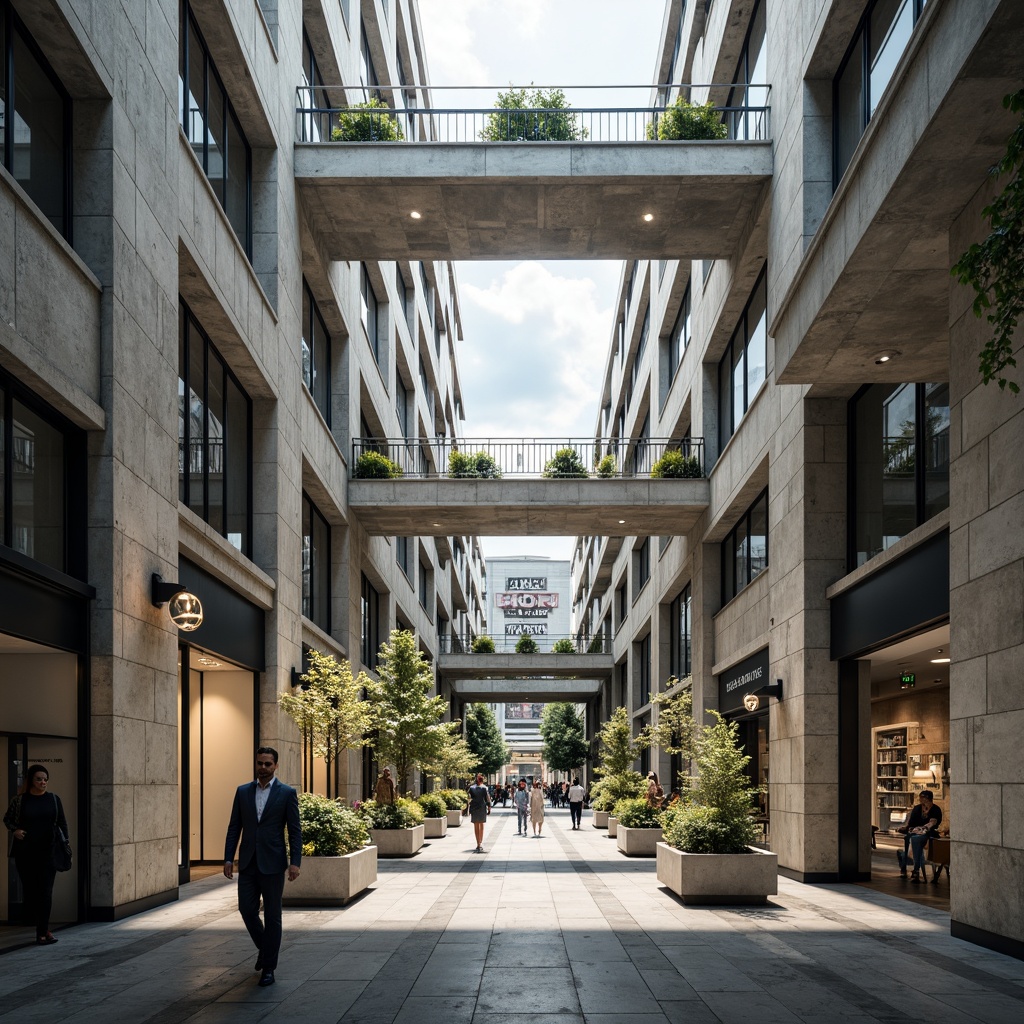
(214, 437)
(402, 553)
(901, 463)
(316, 565)
(213, 130)
(36, 140)
(315, 126)
(745, 549)
(642, 676)
(368, 310)
(867, 68)
(744, 366)
(369, 618)
(316, 353)
(748, 120)
(641, 565)
(681, 634)
(682, 331)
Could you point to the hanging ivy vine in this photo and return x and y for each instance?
(994, 267)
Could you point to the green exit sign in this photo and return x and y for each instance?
(907, 680)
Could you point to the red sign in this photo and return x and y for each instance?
(525, 599)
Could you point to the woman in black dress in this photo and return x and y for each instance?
(30, 820)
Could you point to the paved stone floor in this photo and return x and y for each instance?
(557, 930)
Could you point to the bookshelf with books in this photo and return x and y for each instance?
(893, 796)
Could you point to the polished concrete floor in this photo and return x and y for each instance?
(557, 930)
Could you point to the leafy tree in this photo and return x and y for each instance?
(617, 747)
(565, 744)
(566, 462)
(483, 736)
(328, 709)
(675, 732)
(522, 115)
(685, 120)
(526, 645)
(994, 267)
(405, 721)
(367, 122)
(453, 760)
(563, 646)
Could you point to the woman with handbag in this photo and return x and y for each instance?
(34, 819)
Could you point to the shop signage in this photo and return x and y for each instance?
(526, 629)
(735, 683)
(518, 600)
(907, 680)
(526, 583)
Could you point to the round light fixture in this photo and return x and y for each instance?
(884, 357)
(186, 611)
(751, 701)
(415, 214)
(622, 522)
(940, 660)
(648, 217)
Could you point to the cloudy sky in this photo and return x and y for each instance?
(536, 333)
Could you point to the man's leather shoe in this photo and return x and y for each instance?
(266, 978)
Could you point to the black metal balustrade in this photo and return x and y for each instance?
(505, 643)
(534, 458)
(321, 117)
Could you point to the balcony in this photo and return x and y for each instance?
(525, 487)
(424, 185)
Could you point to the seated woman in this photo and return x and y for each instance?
(922, 824)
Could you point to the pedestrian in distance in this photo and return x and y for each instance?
(537, 809)
(576, 795)
(478, 808)
(261, 813)
(655, 794)
(33, 818)
(554, 790)
(384, 792)
(521, 798)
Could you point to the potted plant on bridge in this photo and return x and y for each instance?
(376, 466)
(526, 645)
(336, 862)
(537, 116)
(674, 464)
(482, 644)
(686, 120)
(476, 465)
(639, 827)
(707, 856)
(566, 464)
(563, 646)
(367, 122)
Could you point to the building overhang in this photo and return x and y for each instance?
(537, 691)
(546, 200)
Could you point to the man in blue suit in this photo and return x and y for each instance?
(260, 814)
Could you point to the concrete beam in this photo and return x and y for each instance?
(549, 200)
(524, 668)
(536, 508)
(538, 691)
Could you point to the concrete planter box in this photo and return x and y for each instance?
(397, 842)
(435, 828)
(613, 824)
(729, 878)
(332, 881)
(454, 818)
(601, 819)
(638, 842)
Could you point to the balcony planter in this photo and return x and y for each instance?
(601, 819)
(454, 818)
(638, 842)
(613, 824)
(397, 842)
(435, 828)
(734, 879)
(332, 881)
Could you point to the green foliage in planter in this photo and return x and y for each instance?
(478, 465)
(375, 466)
(367, 122)
(328, 829)
(636, 812)
(482, 645)
(433, 804)
(403, 814)
(607, 467)
(563, 646)
(455, 799)
(526, 645)
(596, 646)
(685, 120)
(537, 116)
(607, 792)
(696, 829)
(675, 464)
(566, 463)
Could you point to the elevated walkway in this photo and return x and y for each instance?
(513, 691)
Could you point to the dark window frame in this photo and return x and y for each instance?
(310, 334)
(681, 633)
(729, 544)
(310, 515)
(728, 425)
(641, 566)
(369, 622)
(681, 335)
(372, 314)
(402, 554)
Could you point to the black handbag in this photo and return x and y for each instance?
(60, 853)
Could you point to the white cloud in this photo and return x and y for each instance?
(453, 49)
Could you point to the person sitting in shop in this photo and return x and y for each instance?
(921, 825)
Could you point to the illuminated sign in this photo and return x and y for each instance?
(525, 600)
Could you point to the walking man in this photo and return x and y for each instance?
(576, 795)
(260, 814)
(522, 802)
(479, 808)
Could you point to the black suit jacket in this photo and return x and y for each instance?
(263, 840)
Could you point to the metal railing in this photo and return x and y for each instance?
(321, 116)
(535, 458)
(505, 643)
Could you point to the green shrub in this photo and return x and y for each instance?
(402, 814)
(685, 120)
(433, 804)
(607, 792)
(482, 644)
(636, 812)
(367, 122)
(456, 799)
(606, 467)
(563, 646)
(675, 464)
(526, 645)
(698, 829)
(537, 116)
(596, 645)
(477, 464)
(566, 462)
(328, 829)
(375, 466)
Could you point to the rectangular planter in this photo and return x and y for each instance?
(454, 818)
(613, 823)
(638, 842)
(601, 819)
(397, 842)
(435, 828)
(332, 881)
(731, 878)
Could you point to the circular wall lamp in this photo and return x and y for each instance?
(184, 608)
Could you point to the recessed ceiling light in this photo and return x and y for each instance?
(940, 661)
(648, 217)
(415, 214)
(884, 357)
(622, 522)
(208, 662)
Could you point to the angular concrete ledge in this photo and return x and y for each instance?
(540, 691)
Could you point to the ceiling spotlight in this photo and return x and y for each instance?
(648, 217)
(415, 214)
(208, 662)
(883, 357)
(622, 522)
